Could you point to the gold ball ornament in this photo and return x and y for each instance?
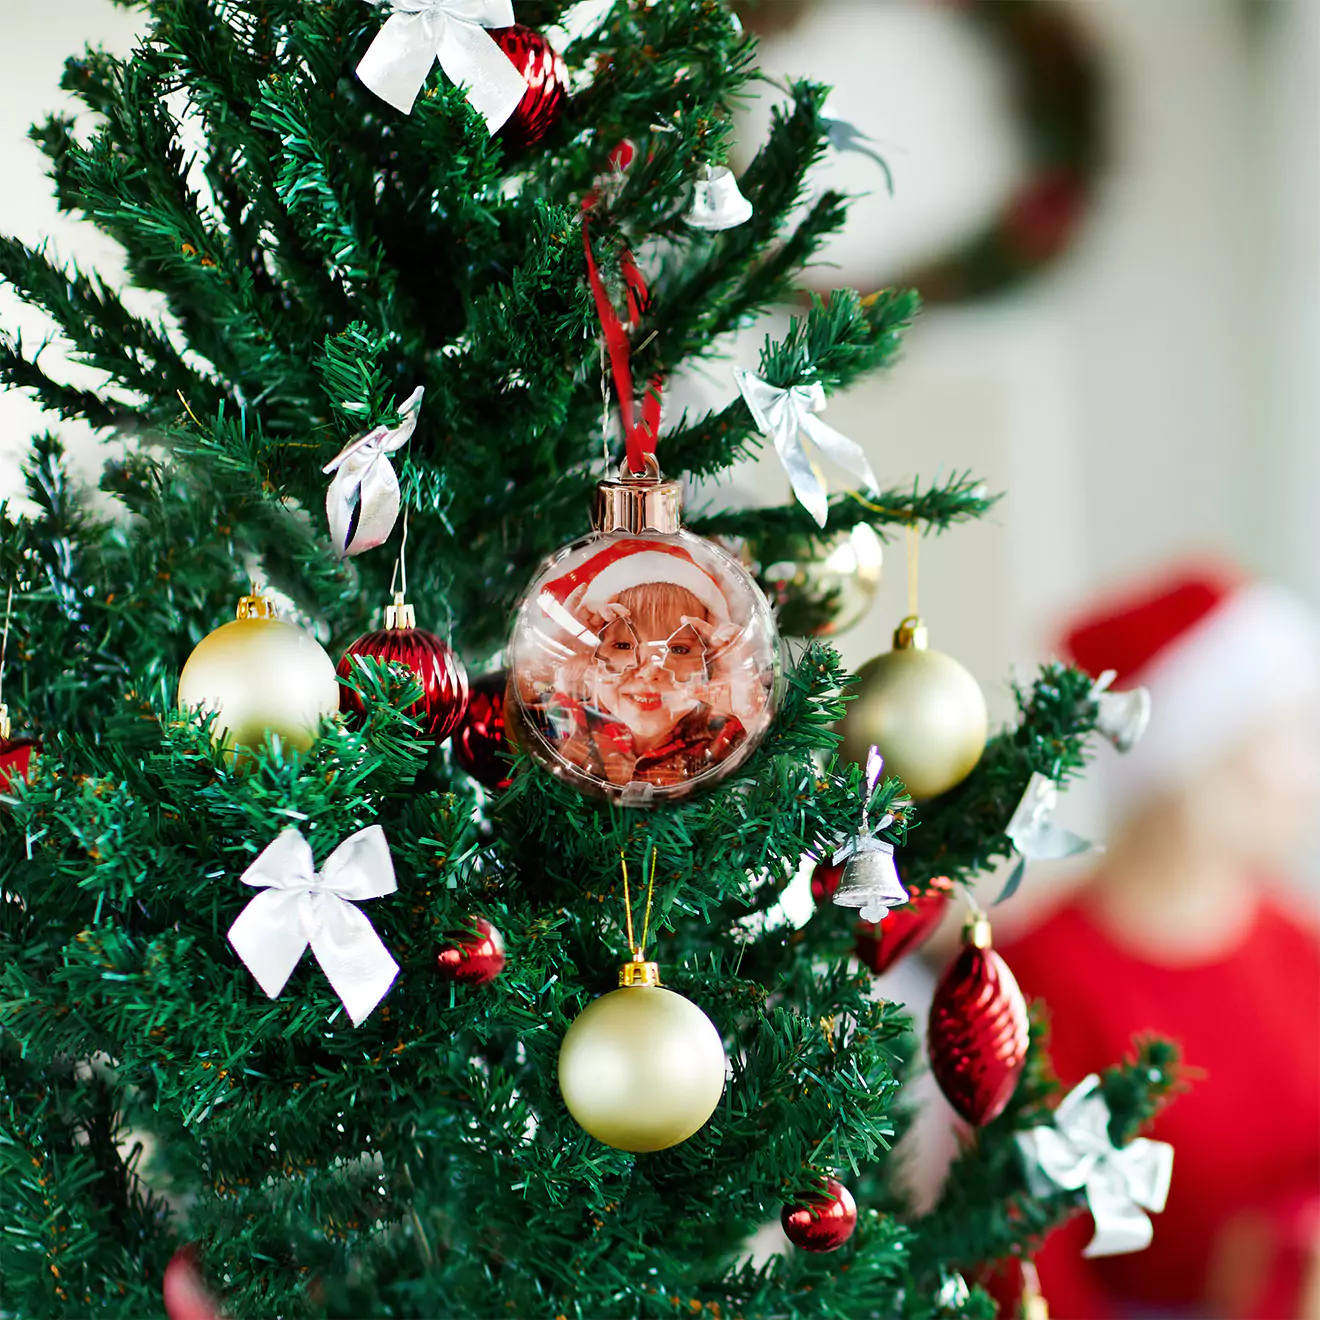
(922, 709)
(819, 587)
(261, 676)
(642, 1068)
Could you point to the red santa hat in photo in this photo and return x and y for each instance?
(1218, 652)
(634, 562)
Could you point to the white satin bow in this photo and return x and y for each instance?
(300, 906)
(1121, 1183)
(420, 32)
(365, 479)
(787, 416)
(1034, 836)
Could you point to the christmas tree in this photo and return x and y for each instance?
(304, 253)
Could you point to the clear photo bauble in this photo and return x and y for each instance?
(644, 663)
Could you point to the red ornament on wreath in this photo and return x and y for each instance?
(977, 1036)
(543, 70)
(881, 944)
(441, 673)
(471, 955)
(480, 742)
(822, 1220)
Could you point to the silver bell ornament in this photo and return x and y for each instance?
(717, 202)
(870, 880)
(1122, 716)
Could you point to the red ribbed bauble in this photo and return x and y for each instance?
(443, 678)
(547, 84)
(480, 743)
(825, 881)
(977, 1037)
(881, 944)
(471, 955)
(823, 1220)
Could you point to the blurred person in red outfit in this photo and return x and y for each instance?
(1181, 932)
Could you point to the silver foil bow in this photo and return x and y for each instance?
(299, 906)
(1034, 836)
(1122, 1183)
(717, 201)
(1122, 716)
(420, 32)
(870, 880)
(789, 418)
(365, 480)
(844, 137)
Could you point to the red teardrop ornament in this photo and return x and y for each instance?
(822, 1220)
(471, 955)
(547, 84)
(443, 678)
(977, 1037)
(881, 944)
(480, 743)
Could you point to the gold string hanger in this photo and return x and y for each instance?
(639, 971)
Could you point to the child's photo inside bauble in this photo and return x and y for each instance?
(647, 662)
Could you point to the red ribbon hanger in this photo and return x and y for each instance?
(639, 437)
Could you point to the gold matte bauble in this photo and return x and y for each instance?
(819, 588)
(642, 1068)
(924, 712)
(260, 676)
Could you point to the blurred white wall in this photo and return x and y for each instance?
(1155, 394)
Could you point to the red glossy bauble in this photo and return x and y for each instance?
(15, 758)
(547, 84)
(825, 881)
(443, 678)
(471, 955)
(480, 742)
(881, 944)
(977, 1037)
(823, 1220)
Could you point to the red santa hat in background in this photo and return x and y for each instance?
(1219, 654)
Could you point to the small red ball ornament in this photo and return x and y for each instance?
(480, 742)
(825, 881)
(977, 1037)
(547, 84)
(443, 678)
(823, 1220)
(472, 954)
(881, 944)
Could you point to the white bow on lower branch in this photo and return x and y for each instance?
(365, 480)
(300, 906)
(1121, 1182)
(788, 418)
(420, 32)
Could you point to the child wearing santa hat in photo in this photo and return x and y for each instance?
(1180, 933)
(646, 676)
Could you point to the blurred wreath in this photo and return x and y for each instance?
(1057, 92)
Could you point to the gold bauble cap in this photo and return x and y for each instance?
(638, 502)
(255, 607)
(911, 635)
(6, 728)
(639, 972)
(977, 931)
